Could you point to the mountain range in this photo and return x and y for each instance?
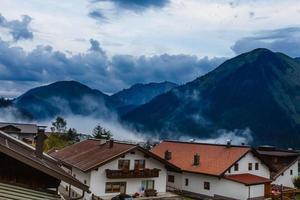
(71, 97)
(258, 90)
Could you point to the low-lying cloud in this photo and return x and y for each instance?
(237, 137)
(44, 65)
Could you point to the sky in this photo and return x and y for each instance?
(111, 44)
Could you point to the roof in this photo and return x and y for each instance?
(91, 154)
(247, 179)
(26, 154)
(25, 128)
(214, 159)
(278, 160)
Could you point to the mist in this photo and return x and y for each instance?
(237, 137)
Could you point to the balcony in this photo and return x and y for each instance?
(142, 173)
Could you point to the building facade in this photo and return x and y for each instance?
(113, 167)
(215, 171)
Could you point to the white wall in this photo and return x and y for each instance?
(287, 179)
(243, 166)
(98, 178)
(218, 186)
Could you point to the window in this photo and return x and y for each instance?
(113, 187)
(256, 166)
(124, 164)
(147, 184)
(84, 181)
(139, 164)
(171, 178)
(229, 171)
(236, 167)
(299, 168)
(206, 186)
(291, 172)
(186, 182)
(249, 166)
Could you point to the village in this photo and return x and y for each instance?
(104, 168)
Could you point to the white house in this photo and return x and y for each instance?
(114, 167)
(215, 171)
(283, 164)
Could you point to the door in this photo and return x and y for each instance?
(123, 188)
(267, 189)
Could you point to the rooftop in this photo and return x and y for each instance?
(215, 159)
(26, 154)
(248, 179)
(91, 154)
(24, 127)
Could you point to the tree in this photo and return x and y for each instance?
(101, 133)
(296, 182)
(59, 125)
(72, 135)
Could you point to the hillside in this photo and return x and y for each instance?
(64, 97)
(139, 94)
(258, 90)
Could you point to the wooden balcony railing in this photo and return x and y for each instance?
(141, 173)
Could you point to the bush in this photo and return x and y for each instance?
(296, 182)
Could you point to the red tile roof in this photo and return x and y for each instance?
(90, 154)
(214, 159)
(247, 179)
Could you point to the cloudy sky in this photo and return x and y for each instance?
(112, 44)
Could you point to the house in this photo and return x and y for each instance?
(283, 164)
(112, 167)
(21, 131)
(26, 171)
(212, 171)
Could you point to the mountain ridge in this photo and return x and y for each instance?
(256, 90)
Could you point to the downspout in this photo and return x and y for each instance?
(70, 183)
(249, 192)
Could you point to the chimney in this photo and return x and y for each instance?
(196, 159)
(228, 143)
(168, 155)
(111, 143)
(40, 142)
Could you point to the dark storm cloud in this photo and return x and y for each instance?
(19, 29)
(137, 5)
(286, 40)
(97, 14)
(94, 68)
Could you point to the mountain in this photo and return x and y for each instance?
(298, 59)
(139, 94)
(71, 97)
(64, 97)
(259, 90)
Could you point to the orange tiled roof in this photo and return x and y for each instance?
(248, 179)
(214, 159)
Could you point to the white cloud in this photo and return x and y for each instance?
(204, 28)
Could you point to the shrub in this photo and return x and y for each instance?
(296, 182)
